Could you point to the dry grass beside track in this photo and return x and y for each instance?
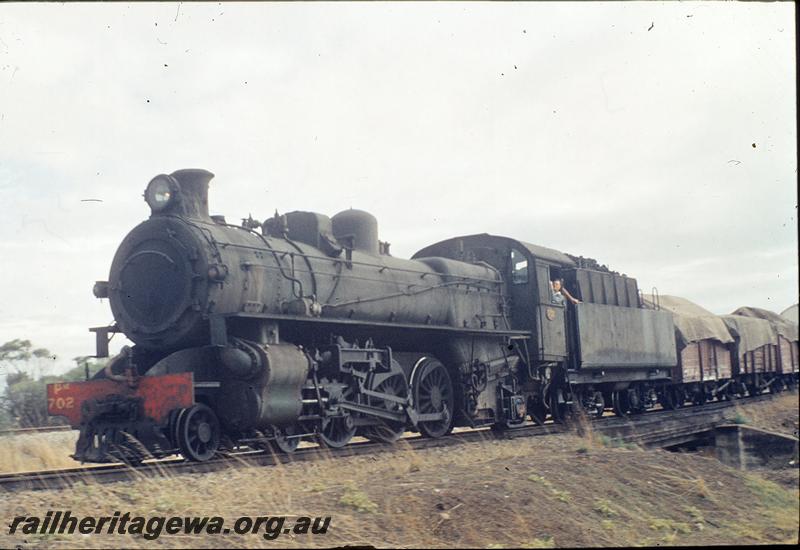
(778, 415)
(562, 490)
(37, 451)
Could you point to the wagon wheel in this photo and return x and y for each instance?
(599, 404)
(559, 411)
(389, 431)
(680, 397)
(284, 443)
(740, 389)
(620, 403)
(199, 433)
(699, 397)
(433, 393)
(635, 401)
(669, 399)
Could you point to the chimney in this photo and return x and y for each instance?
(194, 192)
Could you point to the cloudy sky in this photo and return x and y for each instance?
(657, 138)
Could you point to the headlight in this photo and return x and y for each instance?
(161, 192)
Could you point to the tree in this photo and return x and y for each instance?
(23, 404)
(24, 401)
(19, 353)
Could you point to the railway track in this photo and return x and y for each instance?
(653, 429)
(40, 429)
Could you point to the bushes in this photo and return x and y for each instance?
(23, 403)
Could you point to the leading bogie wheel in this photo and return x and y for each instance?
(433, 393)
(176, 419)
(198, 433)
(284, 442)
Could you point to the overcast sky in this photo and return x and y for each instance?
(658, 138)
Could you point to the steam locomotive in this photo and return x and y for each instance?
(306, 327)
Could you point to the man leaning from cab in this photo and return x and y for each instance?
(558, 293)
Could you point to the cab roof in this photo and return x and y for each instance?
(449, 247)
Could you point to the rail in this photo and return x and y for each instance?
(655, 428)
(39, 429)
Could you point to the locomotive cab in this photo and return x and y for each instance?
(574, 349)
(528, 270)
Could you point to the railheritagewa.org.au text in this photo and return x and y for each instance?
(64, 522)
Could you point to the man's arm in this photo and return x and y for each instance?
(566, 293)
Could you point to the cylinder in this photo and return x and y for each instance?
(273, 397)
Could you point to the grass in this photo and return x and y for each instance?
(544, 542)
(778, 508)
(614, 442)
(670, 526)
(739, 418)
(779, 414)
(702, 489)
(316, 487)
(485, 496)
(528, 492)
(696, 516)
(770, 495)
(561, 496)
(603, 507)
(42, 451)
(355, 498)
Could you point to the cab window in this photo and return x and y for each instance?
(519, 268)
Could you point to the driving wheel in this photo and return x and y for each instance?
(433, 393)
(389, 431)
(337, 431)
